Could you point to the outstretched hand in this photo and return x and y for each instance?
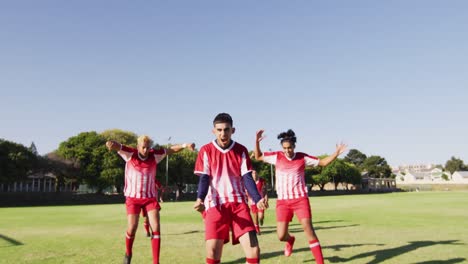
(259, 135)
(340, 148)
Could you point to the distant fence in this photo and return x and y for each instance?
(433, 187)
(13, 199)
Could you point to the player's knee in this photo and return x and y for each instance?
(132, 228)
(131, 231)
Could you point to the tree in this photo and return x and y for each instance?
(320, 180)
(33, 149)
(181, 166)
(87, 149)
(310, 172)
(125, 137)
(113, 165)
(63, 169)
(355, 157)
(332, 172)
(377, 167)
(352, 175)
(454, 164)
(445, 177)
(318, 177)
(340, 171)
(264, 170)
(16, 162)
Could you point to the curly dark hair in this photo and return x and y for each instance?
(287, 136)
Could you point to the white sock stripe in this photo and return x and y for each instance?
(314, 244)
(155, 237)
(129, 237)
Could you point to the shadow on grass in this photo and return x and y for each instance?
(263, 256)
(379, 255)
(382, 255)
(186, 233)
(297, 228)
(339, 247)
(10, 240)
(448, 261)
(279, 254)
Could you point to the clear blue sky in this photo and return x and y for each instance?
(387, 77)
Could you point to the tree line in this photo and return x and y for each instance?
(84, 159)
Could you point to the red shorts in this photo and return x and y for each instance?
(234, 216)
(136, 205)
(285, 209)
(254, 209)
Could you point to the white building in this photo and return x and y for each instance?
(460, 177)
(435, 175)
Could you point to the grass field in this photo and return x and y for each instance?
(417, 227)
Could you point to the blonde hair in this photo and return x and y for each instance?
(144, 139)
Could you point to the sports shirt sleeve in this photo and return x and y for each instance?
(202, 165)
(270, 157)
(246, 165)
(311, 160)
(159, 154)
(126, 152)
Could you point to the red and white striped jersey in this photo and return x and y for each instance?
(290, 173)
(225, 167)
(140, 174)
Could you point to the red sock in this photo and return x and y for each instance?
(316, 250)
(252, 260)
(155, 245)
(212, 261)
(129, 244)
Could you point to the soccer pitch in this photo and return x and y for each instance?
(418, 227)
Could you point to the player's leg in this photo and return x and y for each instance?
(314, 243)
(133, 211)
(249, 243)
(304, 214)
(261, 216)
(214, 250)
(153, 216)
(146, 224)
(284, 215)
(217, 224)
(254, 211)
(244, 231)
(132, 225)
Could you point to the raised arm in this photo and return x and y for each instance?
(113, 145)
(257, 151)
(340, 148)
(178, 147)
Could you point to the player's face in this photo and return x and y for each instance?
(143, 149)
(288, 149)
(223, 133)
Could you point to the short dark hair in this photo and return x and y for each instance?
(222, 118)
(287, 136)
